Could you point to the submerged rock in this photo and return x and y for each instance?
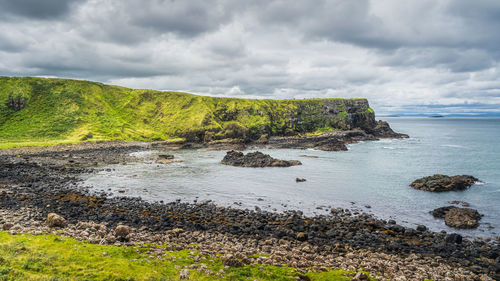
(439, 183)
(255, 159)
(458, 217)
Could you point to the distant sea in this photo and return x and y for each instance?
(370, 177)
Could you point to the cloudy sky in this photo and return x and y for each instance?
(414, 56)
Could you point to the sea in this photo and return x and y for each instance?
(371, 177)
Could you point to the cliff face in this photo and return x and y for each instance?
(71, 110)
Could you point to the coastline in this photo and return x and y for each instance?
(43, 180)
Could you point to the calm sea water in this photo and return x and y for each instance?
(371, 177)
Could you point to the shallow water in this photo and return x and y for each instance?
(374, 174)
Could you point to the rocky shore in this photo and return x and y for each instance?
(37, 181)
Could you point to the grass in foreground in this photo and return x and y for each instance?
(51, 257)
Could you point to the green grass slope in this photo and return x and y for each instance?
(51, 257)
(42, 111)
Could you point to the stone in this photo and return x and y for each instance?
(165, 156)
(230, 260)
(121, 231)
(55, 220)
(421, 228)
(255, 159)
(184, 274)
(7, 226)
(453, 238)
(440, 183)
(360, 276)
(302, 236)
(300, 180)
(462, 218)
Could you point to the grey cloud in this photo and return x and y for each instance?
(456, 60)
(37, 9)
(395, 53)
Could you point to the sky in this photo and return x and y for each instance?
(413, 56)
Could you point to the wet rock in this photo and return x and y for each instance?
(165, 156)
(300, 180)
(421, 228)
(255, 159)
(55, 220)
(464, 204)
(462, 218)
(440, 183)
(458, 217)
(453, 238)
(122, 231)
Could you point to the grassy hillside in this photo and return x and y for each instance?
(40, 110)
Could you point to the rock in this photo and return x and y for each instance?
(453, 238)
(360, 276)
(421, 228)
(7, 226)
(184, 274)
(308, 156)
(464, 204)
(462, 218)
(230, 260)
(255, 159)
(302, 236)
(300, 180)
(441, 211)
(458, 217)
(383, 130)
(439, 183)
(55, 220)
(165, 156)
(121, 231)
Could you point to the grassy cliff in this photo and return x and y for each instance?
(40, 110)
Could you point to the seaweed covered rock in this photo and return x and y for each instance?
(439, 183)
(458, 217)
(255, 159)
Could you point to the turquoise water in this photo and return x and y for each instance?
(371, 177)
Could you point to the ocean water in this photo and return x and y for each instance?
(371, 177)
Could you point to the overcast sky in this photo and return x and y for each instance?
(434, 56)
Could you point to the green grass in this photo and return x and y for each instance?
(51, 257)
(69, 111)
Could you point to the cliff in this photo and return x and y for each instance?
(62, 110)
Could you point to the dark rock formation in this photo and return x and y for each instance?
(383, 130)
(255, 159)
(439, 183)
(458, 217)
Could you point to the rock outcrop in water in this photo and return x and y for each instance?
(255, 159)
(458, 217)
(440, 183)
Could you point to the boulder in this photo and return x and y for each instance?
(255, 159)
(230, 260)
(458, 217)
(462, 218)
(439, 183)
(300, 179)
(55, 220)
(121, 231)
